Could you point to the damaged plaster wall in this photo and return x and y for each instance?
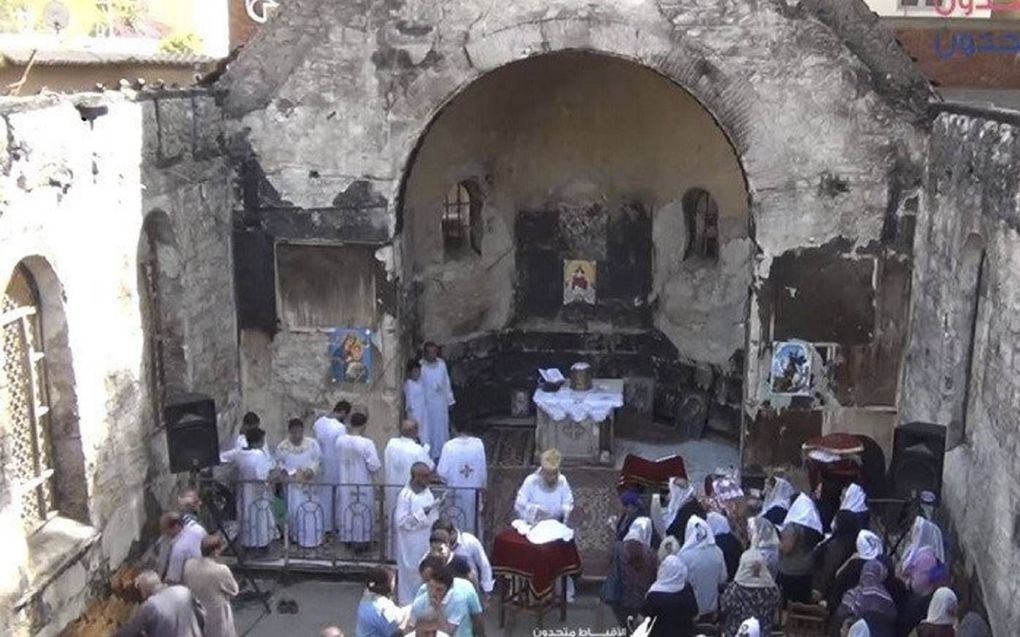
(76, 186)
(603, 132)
(323, 99)
(962, 363)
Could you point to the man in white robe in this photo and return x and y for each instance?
(416, 510)
(546, 495)
(298, 457)
(438, 400)
(355, 506)
(414, 397)
(326, 429)
(254, 497)
(400, 453)
(462, 466)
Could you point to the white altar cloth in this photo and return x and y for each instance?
(596, 404)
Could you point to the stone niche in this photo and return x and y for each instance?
(572, 174)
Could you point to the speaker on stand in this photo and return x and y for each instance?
(193, 444)
(918, 452)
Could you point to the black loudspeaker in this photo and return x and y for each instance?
(192, 441)
(918, 451)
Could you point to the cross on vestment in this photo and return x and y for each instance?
(467, 470)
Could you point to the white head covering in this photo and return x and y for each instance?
(718, 523)
(679, 495)
(640, 531)
(672, 576)
(749, 628)
(670, 546)
(762, 533)
(942, 609)
(925, 533)
(854, 500)
(753, 572)
(859, 629)
(869, 545)
(804, 513)
(698, 535)
(779, 495)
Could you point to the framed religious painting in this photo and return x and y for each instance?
(579, 281)
(791, 368)
(350, 351)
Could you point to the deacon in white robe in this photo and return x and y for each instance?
(326, 429)
(438, 400)
(255, 497)
(462, 466)
(416, 510)
(414, 396)
(400, 453)
(299, 458)
(355, 505)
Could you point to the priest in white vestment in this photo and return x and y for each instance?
(400, 453)
(358, 461)
(255, 497)
(438, 400)
(416, 510)
(299, 457)
(462, 465)
(326, 429)
(546, 495)
(414, 396)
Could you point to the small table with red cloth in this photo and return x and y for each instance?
(528, 572)
(651, 475)
(845, 464)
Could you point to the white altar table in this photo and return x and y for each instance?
(578, 423)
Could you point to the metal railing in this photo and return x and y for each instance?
(283, 523)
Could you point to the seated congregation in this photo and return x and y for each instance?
(719, 571)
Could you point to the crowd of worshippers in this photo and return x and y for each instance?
(717, 564)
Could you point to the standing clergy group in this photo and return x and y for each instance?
(329, 476)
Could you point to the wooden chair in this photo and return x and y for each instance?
(805, 620)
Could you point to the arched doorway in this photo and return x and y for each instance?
(576, 206)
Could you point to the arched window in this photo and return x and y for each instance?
(26, 398)
(462, 220)
(702, 216)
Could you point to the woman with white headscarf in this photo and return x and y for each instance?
(923, 534)
(858, 629)
(726, 541)
(671, 600)
(706, 565)
(941, 619)
(801, 533)
(855, 501)
(749, 628)
(777, 500)
(765, 539)
(752, 593)
(683, 503)
(869, 547)
(633, 565)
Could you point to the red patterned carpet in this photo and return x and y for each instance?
(594, 496)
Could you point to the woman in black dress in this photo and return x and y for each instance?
(670, 601)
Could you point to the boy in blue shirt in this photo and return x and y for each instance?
(447, 603)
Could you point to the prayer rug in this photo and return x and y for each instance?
(595, 498)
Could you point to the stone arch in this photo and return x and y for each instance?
(67, 459)
(695, 70)
(160, 271)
